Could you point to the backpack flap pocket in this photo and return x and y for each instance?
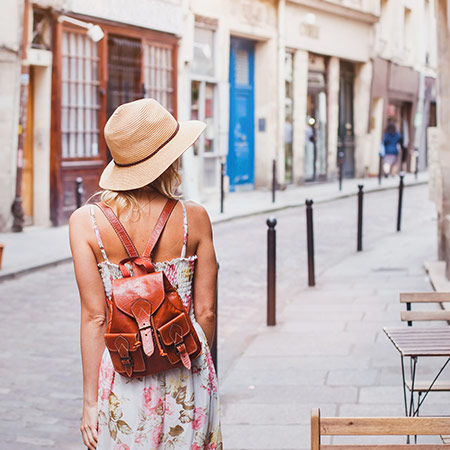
(126, 353)
(177, 339)
(149, 287)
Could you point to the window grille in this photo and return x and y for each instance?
(79, 96)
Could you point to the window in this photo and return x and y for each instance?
(204, 103)
(407, 33)
(158, 73)
(79, 96)
(124, 71)
(288, 116)
(203, 63)
(195, 108)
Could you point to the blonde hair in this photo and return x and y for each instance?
(166, 184)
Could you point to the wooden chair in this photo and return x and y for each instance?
(428, 315)
(377, 426)
(411, 316)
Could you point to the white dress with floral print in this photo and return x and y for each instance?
(176, 409)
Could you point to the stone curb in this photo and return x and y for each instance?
(438, 278)
(219, 219)
(12, 274)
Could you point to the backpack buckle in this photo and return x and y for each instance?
(127, 361)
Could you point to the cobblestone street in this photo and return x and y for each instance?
(327, 350)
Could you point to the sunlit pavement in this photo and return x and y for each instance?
(327, 349)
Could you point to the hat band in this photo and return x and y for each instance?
(153, 153)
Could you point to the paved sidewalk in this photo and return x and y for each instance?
(328, 349)
(40, 247)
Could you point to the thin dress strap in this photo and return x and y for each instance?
(185, 227)
(97, 233)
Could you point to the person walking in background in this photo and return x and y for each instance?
(393, 144)
(177, 408)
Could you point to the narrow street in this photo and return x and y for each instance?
(327, 350)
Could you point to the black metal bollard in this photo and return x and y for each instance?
(360, 216)
(271, 271)
(222, 193)
(400, 201)
(274, 179)
(216, 331)
(416, 171)
(79, 192)
(380, 169)
(341, 168)
(310, 242)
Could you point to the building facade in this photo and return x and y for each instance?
(300, 82)
(441, 172)
(231, 74)
(286, 86)
(10, 68)
(331, 47)
(403, 88)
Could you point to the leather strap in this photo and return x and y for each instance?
(159, 227)
(142, 310)
(119, 229)
(125, 238)
(123, 347)
(184, 357)
(176, 334)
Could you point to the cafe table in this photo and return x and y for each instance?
(418, 343)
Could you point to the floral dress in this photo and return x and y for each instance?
(176, 409)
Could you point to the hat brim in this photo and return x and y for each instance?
(117, 178)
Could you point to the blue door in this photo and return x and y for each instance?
(240, 161)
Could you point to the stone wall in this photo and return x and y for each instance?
(10, 40)
(443, 199)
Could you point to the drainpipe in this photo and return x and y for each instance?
(281, 49)
(17, 206)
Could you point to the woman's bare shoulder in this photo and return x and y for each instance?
(79, 220)
(197, 215)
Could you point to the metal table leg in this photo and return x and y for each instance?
(416, 412)
(404, 384)
(412, 369)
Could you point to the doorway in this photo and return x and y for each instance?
(316, 120)
(400, 114)
(240, 159)
(346, 137)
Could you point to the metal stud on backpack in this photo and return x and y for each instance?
(149, 329)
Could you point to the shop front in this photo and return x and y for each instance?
(397, 88)
(331, 86)
(90, 79)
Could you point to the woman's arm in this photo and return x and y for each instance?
(205, 278)
(93, 318)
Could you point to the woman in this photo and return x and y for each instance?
(178, 408)
(392, 140)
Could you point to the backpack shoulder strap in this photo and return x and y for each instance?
(159, 227)
(119, 229)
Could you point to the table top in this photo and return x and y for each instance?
(418, 341)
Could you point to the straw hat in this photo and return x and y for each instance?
(144, 140)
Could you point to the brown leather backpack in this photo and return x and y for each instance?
(149, 329)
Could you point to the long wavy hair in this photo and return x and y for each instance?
(128, 201)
